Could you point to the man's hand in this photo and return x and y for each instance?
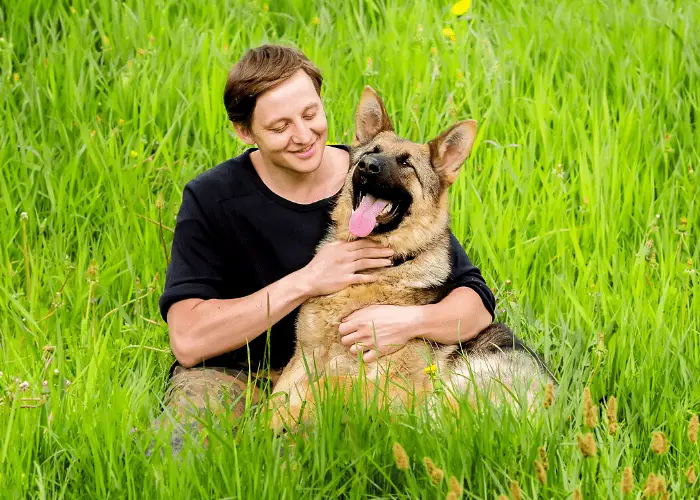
(379, 330)
(338, 264)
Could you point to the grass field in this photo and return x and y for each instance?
(579, 203)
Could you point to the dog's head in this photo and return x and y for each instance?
(396, 190)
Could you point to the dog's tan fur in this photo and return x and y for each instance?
(423, 236)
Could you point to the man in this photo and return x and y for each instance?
(243, 253)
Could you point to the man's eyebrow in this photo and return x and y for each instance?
(308, 107)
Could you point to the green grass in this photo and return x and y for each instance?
(572, 203)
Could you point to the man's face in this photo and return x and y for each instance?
(289, 125)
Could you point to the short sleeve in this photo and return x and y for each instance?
(466, 274)
(196, 265)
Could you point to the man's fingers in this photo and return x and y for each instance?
(358, 279)
(350, 339)
(363, 243)
(372, 253)
(370, 356)
(362, 264)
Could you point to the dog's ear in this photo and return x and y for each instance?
(371, 117)
(449, 150)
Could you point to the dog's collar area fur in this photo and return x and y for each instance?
(397, 261)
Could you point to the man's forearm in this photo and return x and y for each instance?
(214, 327)
(458, 317)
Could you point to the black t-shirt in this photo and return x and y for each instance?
(234, 236)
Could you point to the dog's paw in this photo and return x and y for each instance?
(283, 420)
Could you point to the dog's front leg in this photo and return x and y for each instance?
(293, 385)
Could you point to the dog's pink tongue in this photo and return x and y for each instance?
(363, 220)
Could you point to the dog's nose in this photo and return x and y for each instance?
(369, 165)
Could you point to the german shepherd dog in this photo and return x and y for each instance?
(396, 192)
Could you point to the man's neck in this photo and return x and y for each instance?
(299, 187)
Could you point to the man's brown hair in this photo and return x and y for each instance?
(261, 69)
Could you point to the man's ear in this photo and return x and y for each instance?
(449, 150)
(244, 133)
(371, 117)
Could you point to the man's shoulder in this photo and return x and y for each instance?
(226, 180)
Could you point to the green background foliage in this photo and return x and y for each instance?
(579, 204)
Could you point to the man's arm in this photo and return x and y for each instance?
(201, 329)
(458, 317)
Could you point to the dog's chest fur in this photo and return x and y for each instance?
(415, 282)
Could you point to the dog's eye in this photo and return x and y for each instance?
(403, 161)
(375, 151)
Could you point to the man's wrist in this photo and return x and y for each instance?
(301, 284)
(416, 326)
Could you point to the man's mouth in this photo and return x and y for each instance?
(306, 152)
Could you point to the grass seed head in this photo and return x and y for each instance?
(540, 472)
(543, 457)
(655, 485)
(693, 429)
(436, 474)
(455, 486)
(658, 442)
(515, 491)
(612, 416)
(586, 444)
(590, 411)
(577, 494)
(548, 395)
(400, 457)
(627, 481)
(692, 477)
(650, 486)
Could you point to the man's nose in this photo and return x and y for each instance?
(302, 133)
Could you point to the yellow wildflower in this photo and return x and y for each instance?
(316, 21)
(430, 370)
(15, 77)
(134, 154)
(461, 7)
(449, 34)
